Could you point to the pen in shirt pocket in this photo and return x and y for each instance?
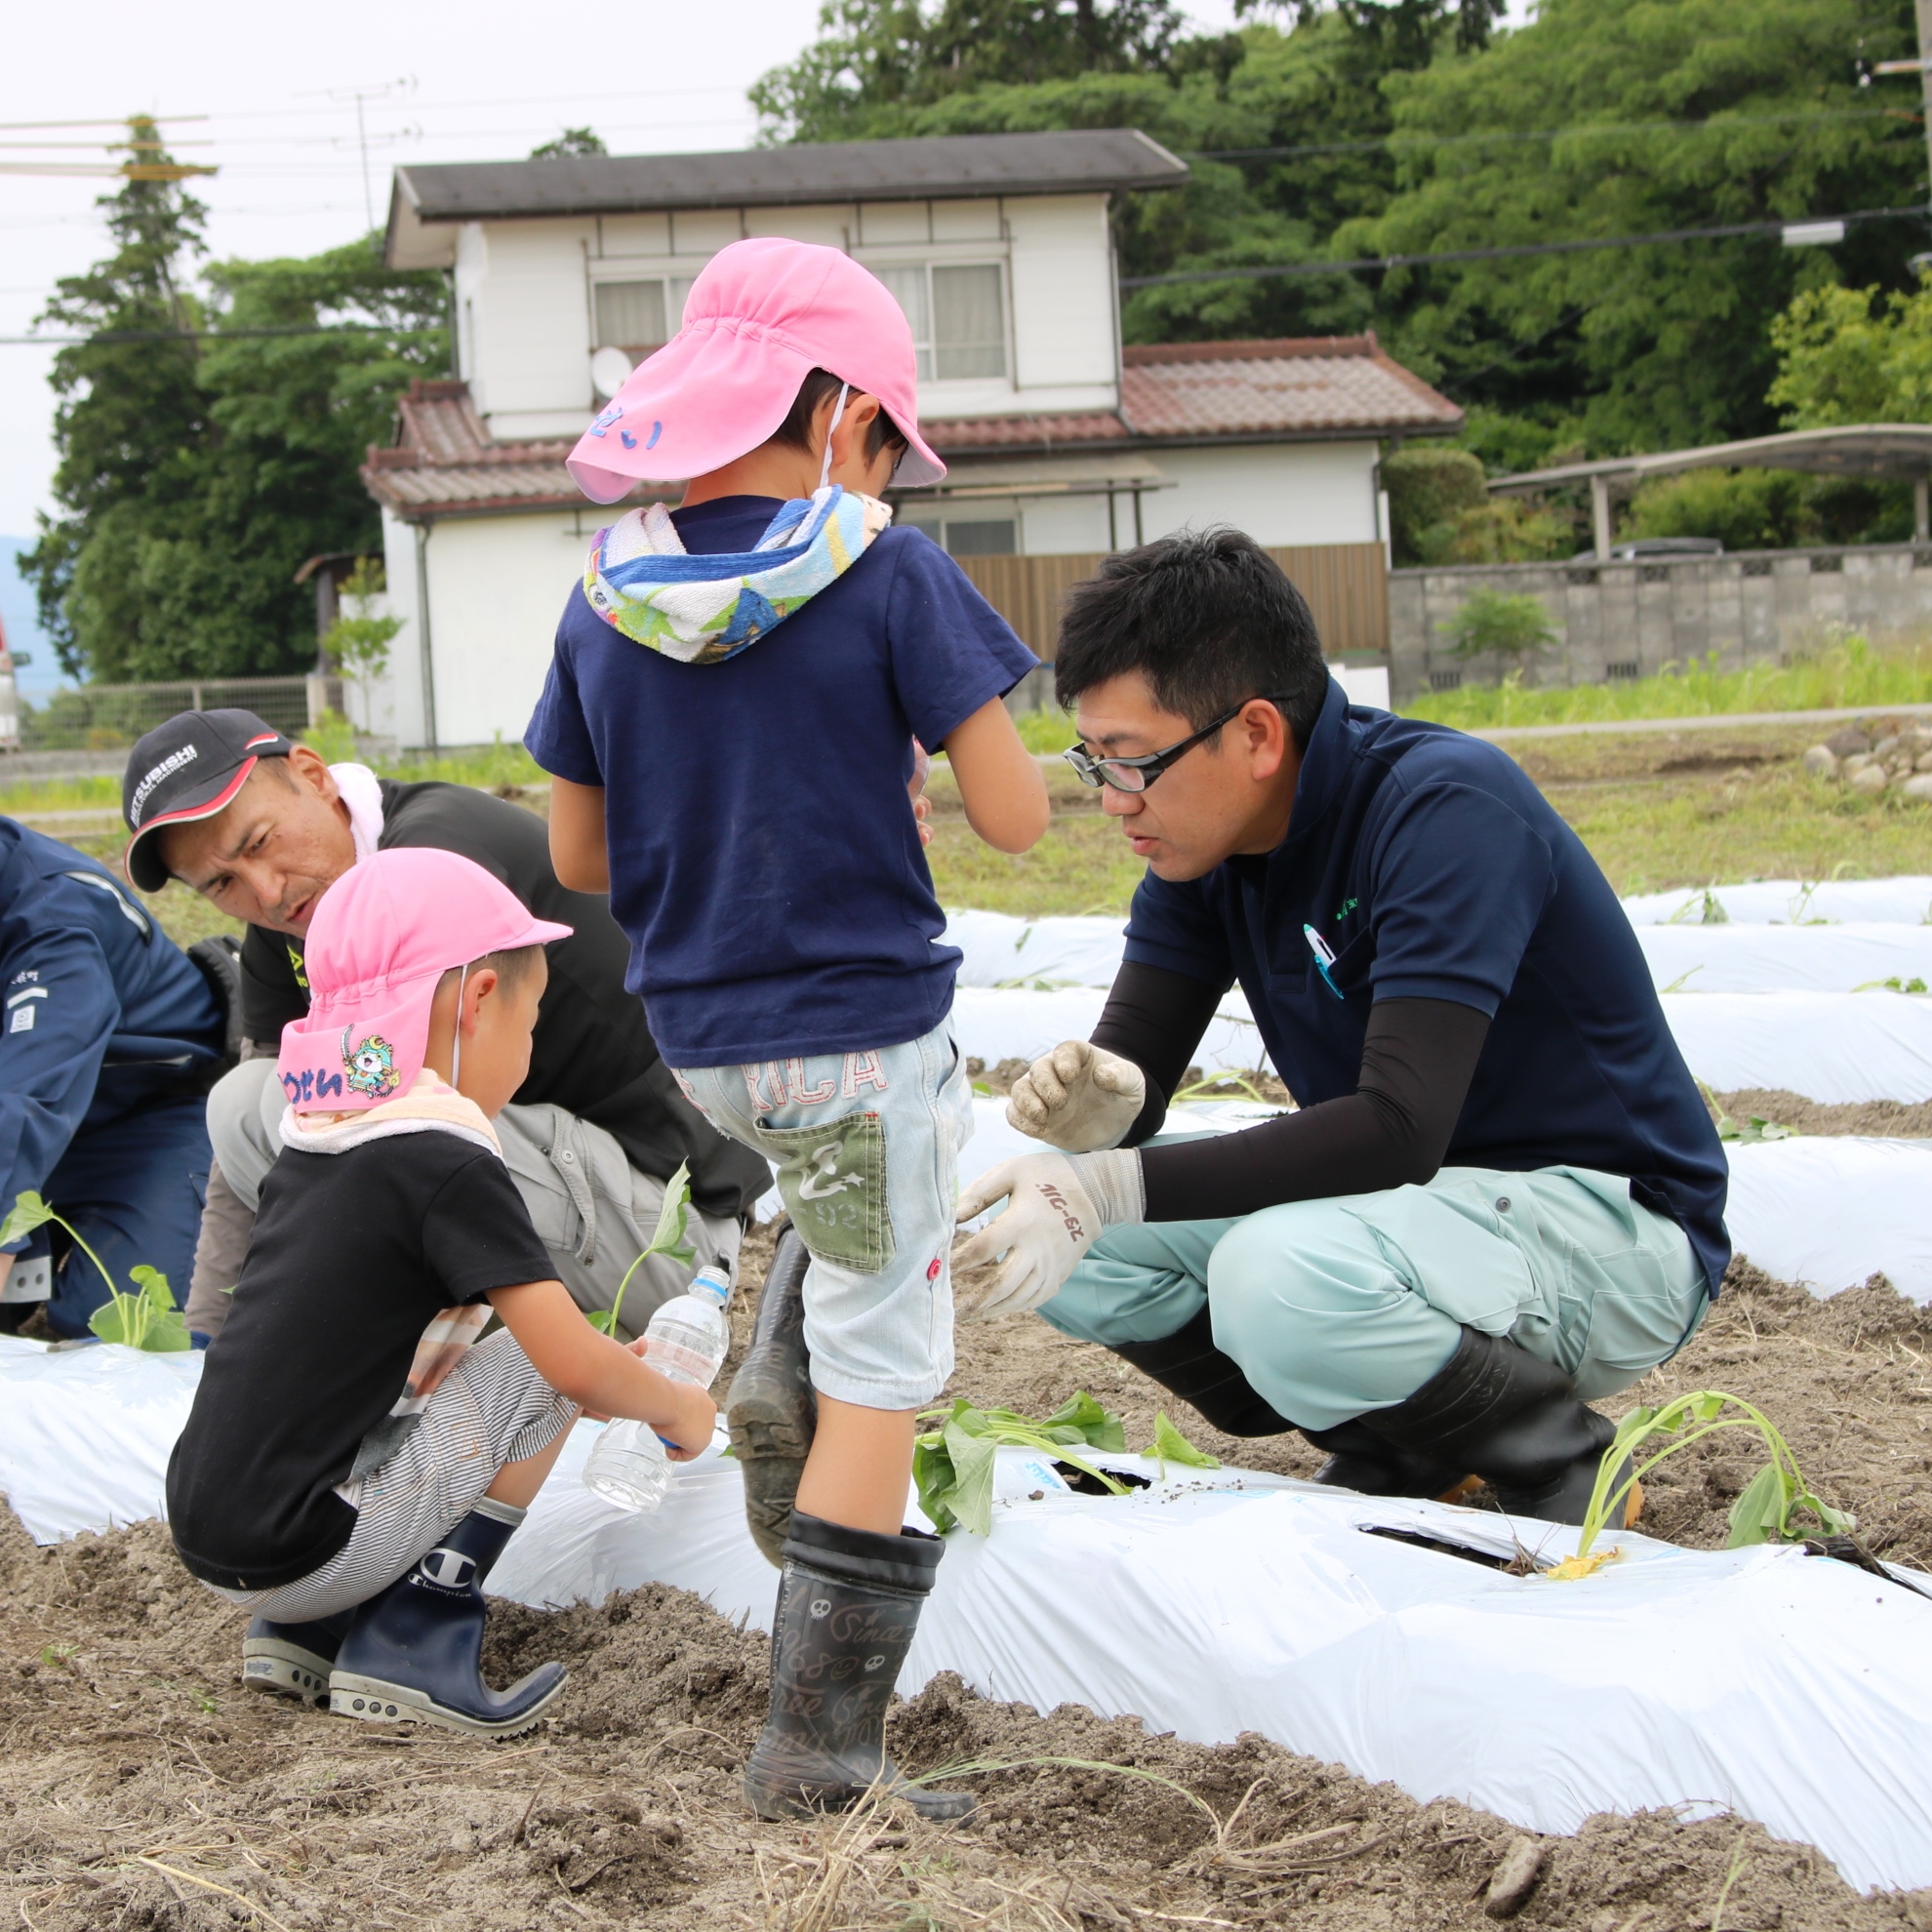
(1324, 958)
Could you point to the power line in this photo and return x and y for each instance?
(1512, 251)
(1400, 142)
(221, 335)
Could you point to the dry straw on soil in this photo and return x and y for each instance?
(140, 1786)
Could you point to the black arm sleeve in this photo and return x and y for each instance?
(1155, 1019)
(1395, 1129)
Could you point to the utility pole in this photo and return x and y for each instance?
(1922, 68)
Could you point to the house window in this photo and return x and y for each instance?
(972, 536)
(1445, 680)
(1624, 670)
(640, 316)
(958, 318)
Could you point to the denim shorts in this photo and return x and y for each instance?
(868, 1152)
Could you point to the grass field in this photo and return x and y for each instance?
(1849, 673)
(1658, 809)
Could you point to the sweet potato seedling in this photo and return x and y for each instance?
(953, 1464)
(1762, 1513)
(147, 1318)
(666, 1239)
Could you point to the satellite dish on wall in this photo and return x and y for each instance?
(610, 368)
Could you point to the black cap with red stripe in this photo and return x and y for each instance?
(189, 768)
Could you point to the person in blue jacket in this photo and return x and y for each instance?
(110, 1037)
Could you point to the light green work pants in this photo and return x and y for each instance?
(1335, 1308)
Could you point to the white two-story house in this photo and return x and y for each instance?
(1062, 445)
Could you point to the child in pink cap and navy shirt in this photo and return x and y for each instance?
(352, 1466)
(731, 717)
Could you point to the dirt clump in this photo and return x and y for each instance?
(1896, 1120)
(141, 1787)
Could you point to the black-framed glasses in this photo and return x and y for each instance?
(1137, 774)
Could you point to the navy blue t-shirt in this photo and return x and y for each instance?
(1434, 870)
(765, 862)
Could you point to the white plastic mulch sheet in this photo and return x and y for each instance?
(1016, 1022)
(1834, 1048)
(1001, 951)
(1831, 1212)
(1741, 959)
(1791, 1689)
(1903, 900)
(1037, 955)
(85, 1432)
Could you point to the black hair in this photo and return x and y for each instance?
(795, 432)
(511, 966)
(1208, 617)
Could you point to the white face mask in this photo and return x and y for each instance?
(826, 468)
(455, 1052)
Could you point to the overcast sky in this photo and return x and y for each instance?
(267, 95)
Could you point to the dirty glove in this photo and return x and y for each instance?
(1057, 1207)
(1079, 1097)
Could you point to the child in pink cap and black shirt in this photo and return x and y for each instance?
(731, 717)
(352, 1466)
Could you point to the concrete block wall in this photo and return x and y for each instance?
(1630, 620)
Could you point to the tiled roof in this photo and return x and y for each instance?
(445, 460)
(1310, 386)
(943, 166)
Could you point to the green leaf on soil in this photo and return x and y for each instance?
(1171, 1446)
(1090, 1422)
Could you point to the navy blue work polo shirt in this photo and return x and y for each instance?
(1434, 869)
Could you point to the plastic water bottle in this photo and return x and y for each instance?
(687, 1339)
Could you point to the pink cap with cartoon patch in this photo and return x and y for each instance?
(381, 937)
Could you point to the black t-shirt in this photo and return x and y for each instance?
(594, 1055)
(353, 1255)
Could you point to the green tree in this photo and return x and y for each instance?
(1746, 509)
(875, 58)
(1692, 114)
(128, 414)
(1494, 621)
(1854, 355)
(571, 142)
(178, 548)
(359, 642)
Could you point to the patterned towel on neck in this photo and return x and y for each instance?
(703, 610)
(430, 1107)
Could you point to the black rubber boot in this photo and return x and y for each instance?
(771, 1409)
(847, 1607)
(1515, 1421)
(1360, 1460)
(414, 1651)
(294, 1659)
(1188, 1364)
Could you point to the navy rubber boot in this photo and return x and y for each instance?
(294, 1659)
(414, 1651)
(848, 1606)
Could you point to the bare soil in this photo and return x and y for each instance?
(141, 1787)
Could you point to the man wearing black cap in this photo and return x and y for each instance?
(262, 828)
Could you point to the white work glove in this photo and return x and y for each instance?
(1058, 1206)
(1079, 1097)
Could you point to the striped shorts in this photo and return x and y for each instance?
(491, 1409)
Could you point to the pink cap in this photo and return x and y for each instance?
(382, 936)
(759, 319)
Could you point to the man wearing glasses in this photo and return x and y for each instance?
(1500, 1197)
